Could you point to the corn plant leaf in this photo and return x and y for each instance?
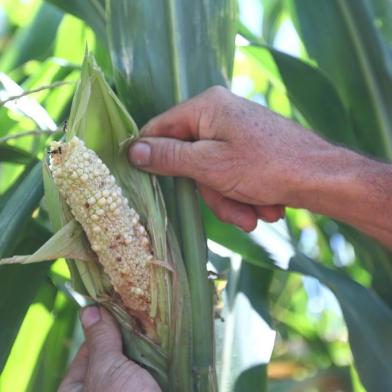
(34, 40)
(54, 356)
(25, 105)
(351, 50)
(15, 213)
(91, 11)
(368, 321)
(368, 317)
(247, 321)
(244, 245)
(331, 118)
(383, 11)
(189, 50)
(18, 208)
(68, 242)
(15, 155)
(273, 11)
(18, 287)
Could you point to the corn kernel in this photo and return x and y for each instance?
(120, 241)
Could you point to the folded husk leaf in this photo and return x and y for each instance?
(69, 242)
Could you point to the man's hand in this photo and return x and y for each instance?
(249, 162)
(243, 156)
(100, 365)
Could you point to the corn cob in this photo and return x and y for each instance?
(112, 227)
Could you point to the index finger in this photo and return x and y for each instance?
(180, 122)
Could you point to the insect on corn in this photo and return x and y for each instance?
(113, 228)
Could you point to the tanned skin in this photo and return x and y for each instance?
(249, 162)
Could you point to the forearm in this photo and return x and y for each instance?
(350, 188)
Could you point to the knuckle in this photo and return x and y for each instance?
(172, 156)
(118, 368)
(218, 91)
(97, 334)
(223, 214)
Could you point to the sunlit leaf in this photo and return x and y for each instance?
(342, 38)
(91, 11)
(31, 337)
(33, 41)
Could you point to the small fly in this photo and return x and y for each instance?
(55, 151)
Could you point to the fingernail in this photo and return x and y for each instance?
(89, 316)
(140, 154)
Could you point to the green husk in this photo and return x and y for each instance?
(99, 118)
(68, 242)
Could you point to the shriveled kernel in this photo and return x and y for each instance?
(121, 243)
(137, 291)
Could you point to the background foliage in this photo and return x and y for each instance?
(315, 289)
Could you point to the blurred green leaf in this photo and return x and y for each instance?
(18, 286)
(31, 337)
(235, 239)
(306, 87)
(383, 17)
(15, 155)
(18, 209)
(73, 37)
(91, 11)
(368, 318)
(53, 358)
(368, 321)
(246, 322)
(33, 41)
(342, 38)
(272, 18)
(179, 58)
(25, 105)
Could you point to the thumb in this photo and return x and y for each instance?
(101, 331)
(166, 156)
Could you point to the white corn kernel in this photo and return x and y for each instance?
(119, 240)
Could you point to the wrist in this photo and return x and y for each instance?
(326, 177)
(346, 186)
